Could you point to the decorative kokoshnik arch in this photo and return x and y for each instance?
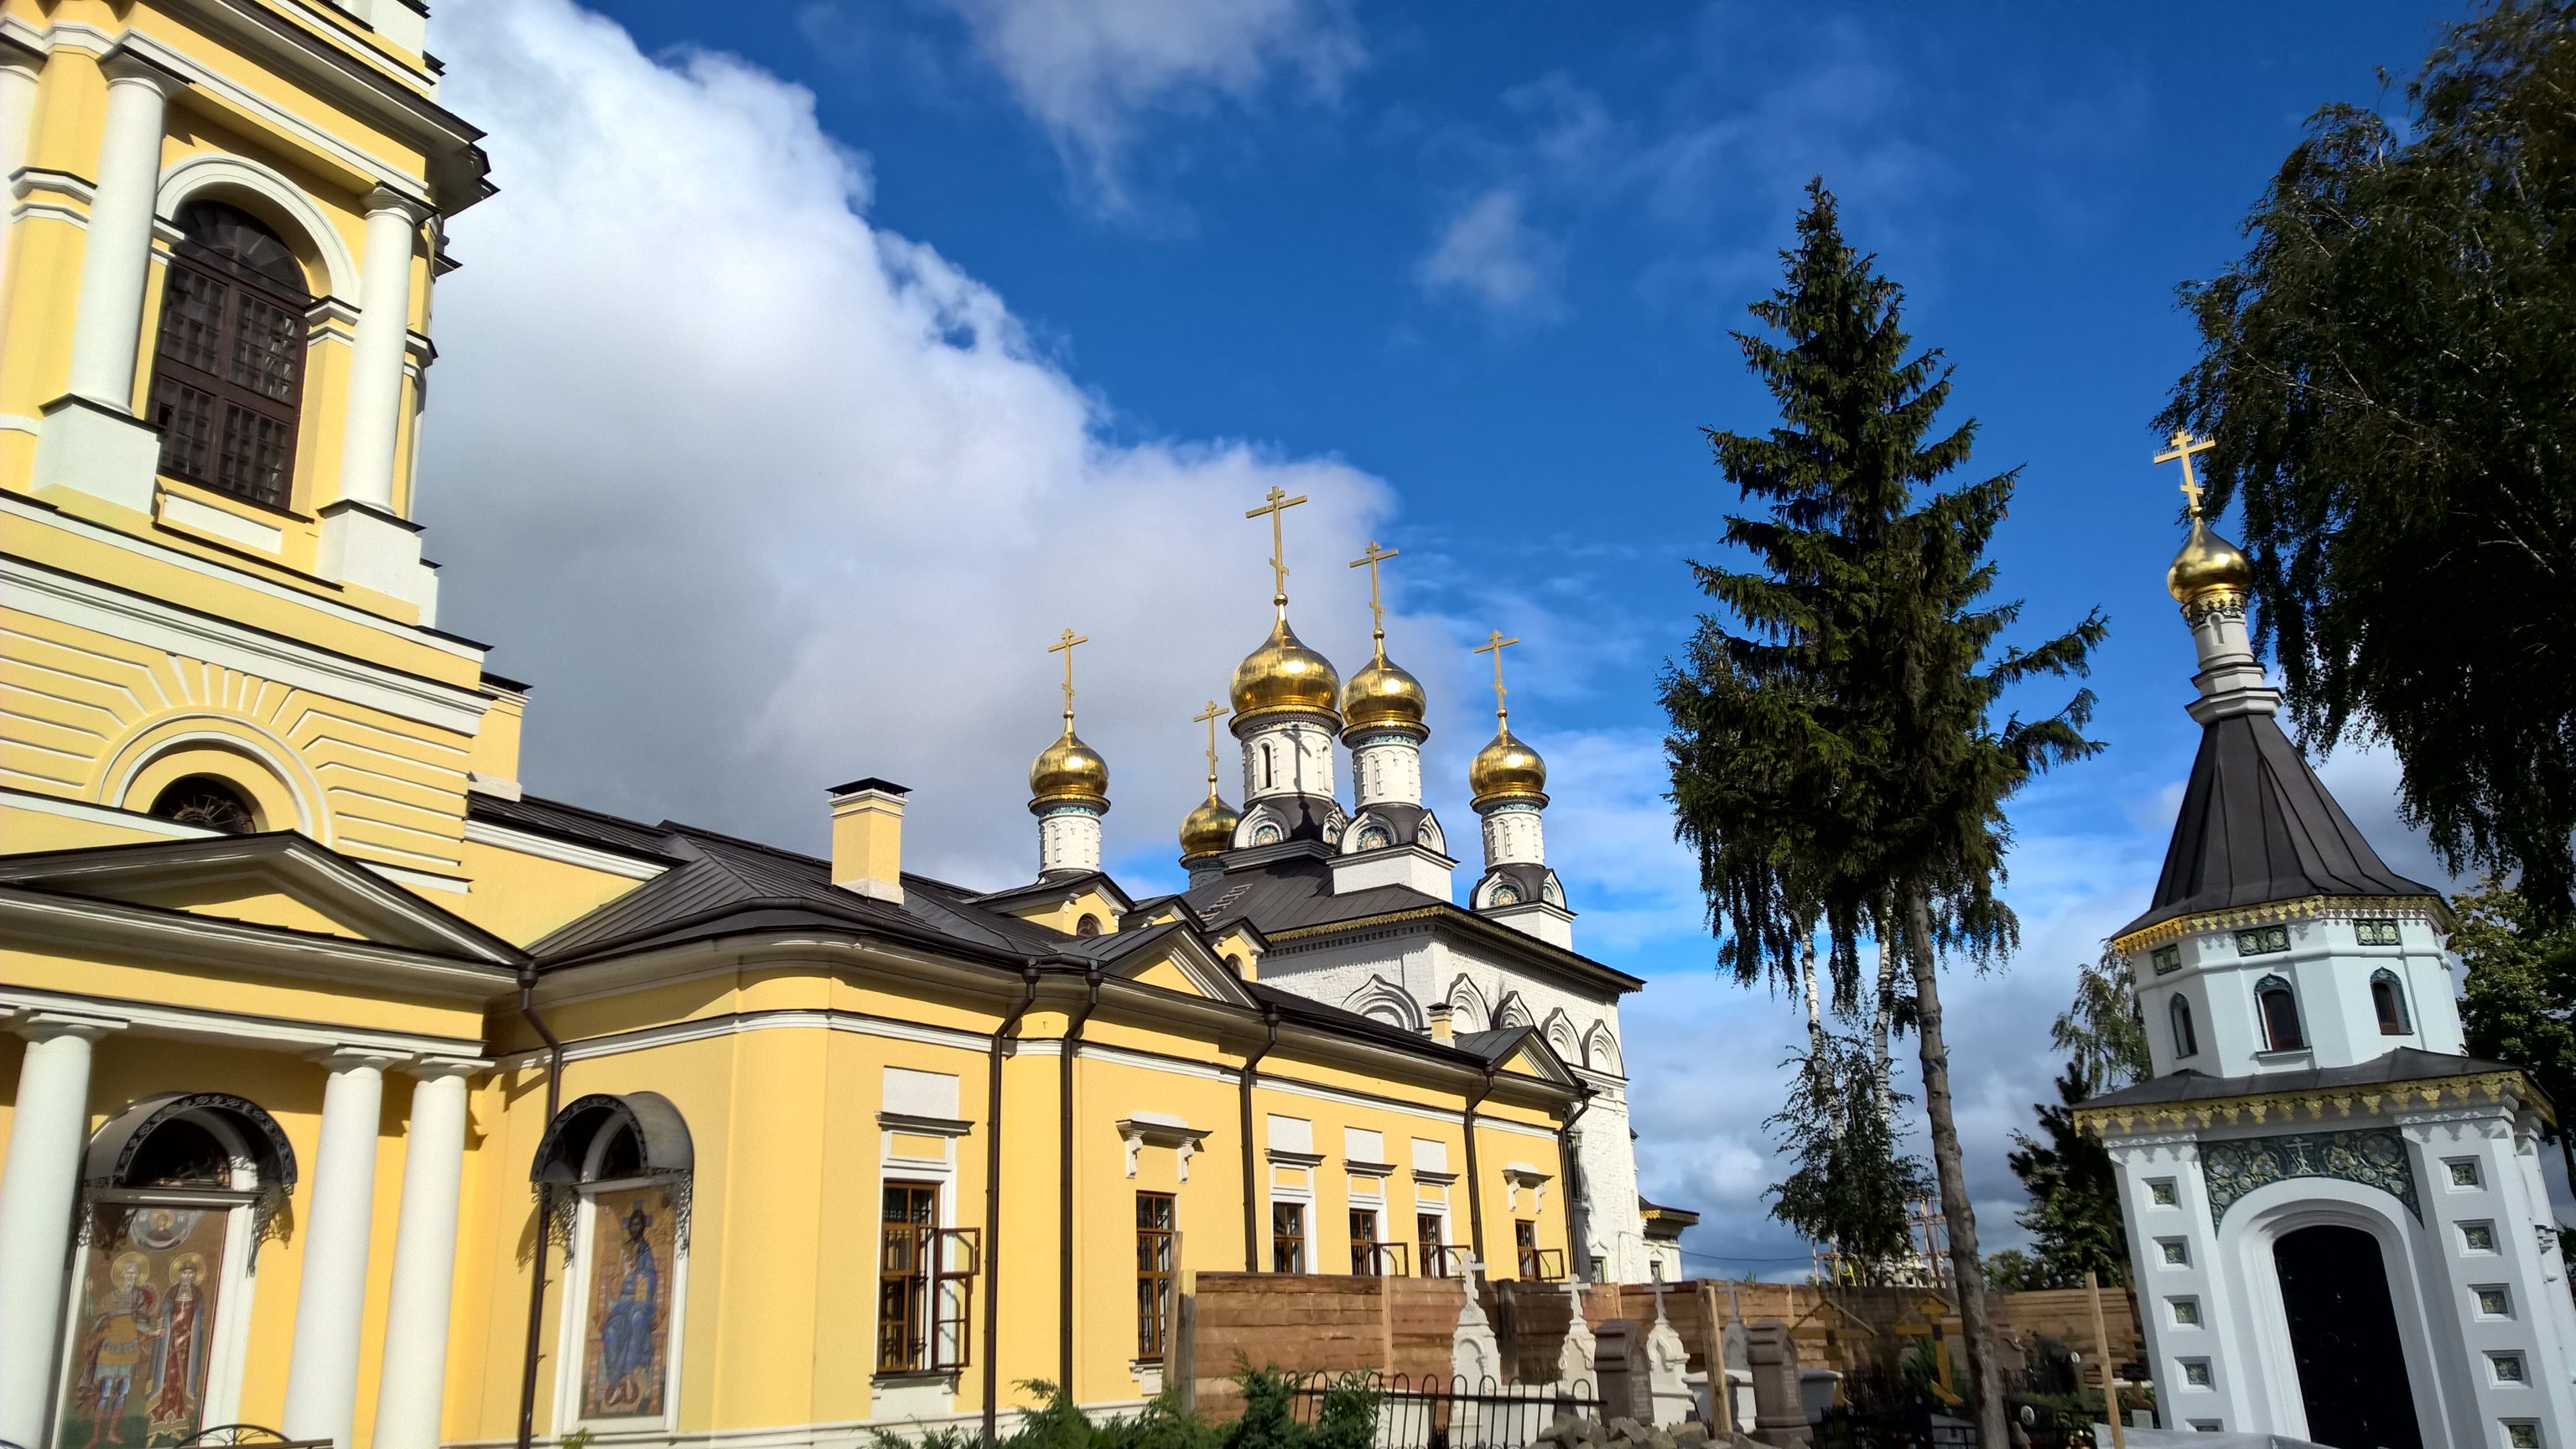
(602, 1138)
(121, 1156)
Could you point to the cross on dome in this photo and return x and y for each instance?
(1275, 503)
(1377, 608)
(1495, 644)
(2184, 445)
(1064, 646)
(1209, 717)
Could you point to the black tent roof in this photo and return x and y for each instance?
(2257, 826)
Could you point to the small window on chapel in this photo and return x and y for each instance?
(228, 367)
(2262, 940)
(2279, 1008)
(2388, 999)
(2186, 1043)
(2167, 959)
(207, 801)
(2375, 933)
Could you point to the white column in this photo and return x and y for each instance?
(376, 355)
(47, 1131)
(330, 1306)
(116, 257)
(412, 1390)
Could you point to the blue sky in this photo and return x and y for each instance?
(811, 371)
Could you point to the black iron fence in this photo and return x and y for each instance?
(1447, 1412)
(1913, 1428)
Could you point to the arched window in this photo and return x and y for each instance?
(228, 371)
(1266, 834)
(207, 801)
(1504, 893)
(2388, 998)
(2186, 1043)
(1375, 837)
(1269, 775)
(1089, 925)
(2279, 1008)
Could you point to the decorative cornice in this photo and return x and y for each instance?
(2304, 908)
(2502, 1088)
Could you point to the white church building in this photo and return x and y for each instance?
(2338, 1222)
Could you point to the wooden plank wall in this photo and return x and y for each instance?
(1318, 1323)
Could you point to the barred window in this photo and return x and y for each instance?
(227, 374)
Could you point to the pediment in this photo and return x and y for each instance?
(281, 880)
(1180, 963)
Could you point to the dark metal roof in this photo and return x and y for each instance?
(2406, 1064)
(2257, 826)
(571, 823)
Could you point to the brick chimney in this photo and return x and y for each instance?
(867, 838)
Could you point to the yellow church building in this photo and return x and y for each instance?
(350, 1090)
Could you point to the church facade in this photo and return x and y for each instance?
(2338, 1223)
(351, 1089)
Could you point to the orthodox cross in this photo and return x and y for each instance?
(1064, 646)
(1275, 503)
(1495, 644)
(1377, 610)
(1209, 717)
(2184, 445)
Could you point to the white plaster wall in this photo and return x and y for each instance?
(1068, 840)
(1387, 770)
(2330, 973)
(1299, 760)
(1513, 836)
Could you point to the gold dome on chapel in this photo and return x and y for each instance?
(1505, 769)
(1381, 694)
(1283, 674)
(1209, 830)
(2207, 565)
(1069, 772)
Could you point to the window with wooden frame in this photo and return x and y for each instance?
(925, 1284)
(1157, 1242)
(2388, 1000)
(2279, 1008)
(1364, 1255)
(1287, 1237)
(228, 367)
(1427, 1230)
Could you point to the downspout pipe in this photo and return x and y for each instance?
(1573, 1189)
(1064, 1236)
(1475, 1181)
(545, 1209)
(1252, 1194)
(993, 1209)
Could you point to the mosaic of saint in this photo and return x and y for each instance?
(142, 1332)
(625, 1356)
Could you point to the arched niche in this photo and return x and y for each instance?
(250, 759)
(267, 194)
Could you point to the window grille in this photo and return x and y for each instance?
(2375, 933)
(2262, 940)
(2167, 959)
(227, 372)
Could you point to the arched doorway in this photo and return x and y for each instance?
(2343, 1336)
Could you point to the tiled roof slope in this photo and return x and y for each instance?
(2257, 826)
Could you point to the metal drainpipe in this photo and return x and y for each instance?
(1565, 1175)
(1475, 1184)
(993, 1211)
(1064, 1291)
(1252, 1194)
(545, 1209)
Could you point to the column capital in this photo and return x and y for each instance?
(430, 1069)
(126, 65)
(17, 54)
(46, 1025)
(353, 1058)
(387, 199)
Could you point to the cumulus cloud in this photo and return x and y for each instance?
(1490, 255)
(762, 497)
(1087, 70)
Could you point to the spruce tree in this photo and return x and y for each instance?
(1862, 692)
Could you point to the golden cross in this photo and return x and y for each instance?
(2184, 445)
(1064, 646)
(1377, 610)
(1209, 717)
(1274, 503)
(1495, 644)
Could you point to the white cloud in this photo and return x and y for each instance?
(1088, 69)
(1490, 255)
(762, 497)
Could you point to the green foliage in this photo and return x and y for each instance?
(2520, 1003)
(2105, 1041)
(2390, 375)
(2012, 1271)
(1346, 1419)
(1851, 1187)
(2074, 1211)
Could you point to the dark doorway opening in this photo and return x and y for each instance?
(2343, 1335)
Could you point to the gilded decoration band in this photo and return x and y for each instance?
(2505, 1088)
(2216, 601)
(2305, 908)
(2374, 1157)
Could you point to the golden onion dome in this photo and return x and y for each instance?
(1284, 674)
(1383, 694)
(1069, 772)
(1505, 769)
(2207, 565)
(1209, 830)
